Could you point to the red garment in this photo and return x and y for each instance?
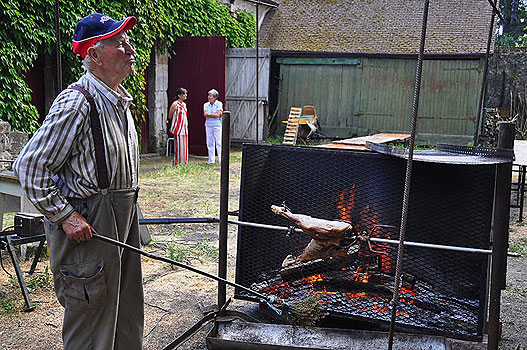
(180, 149)
(179, 124)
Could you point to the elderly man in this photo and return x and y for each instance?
(80, 170)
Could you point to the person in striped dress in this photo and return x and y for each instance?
(179, 127)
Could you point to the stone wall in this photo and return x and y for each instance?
(11, 143)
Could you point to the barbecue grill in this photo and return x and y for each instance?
(443, 292)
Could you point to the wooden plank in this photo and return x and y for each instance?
(377, 138)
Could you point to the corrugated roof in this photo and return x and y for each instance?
(377, 26)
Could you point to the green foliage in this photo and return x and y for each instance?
(40, 280)
(7, 307)
(27, 30)
(514, 25)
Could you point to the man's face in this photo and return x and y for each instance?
(211, 98)
(117, 56)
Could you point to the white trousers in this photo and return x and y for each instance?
(213, 140)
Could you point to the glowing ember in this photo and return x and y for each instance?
(313, 279)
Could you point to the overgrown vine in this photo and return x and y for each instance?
(27, 30)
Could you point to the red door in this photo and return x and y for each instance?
(198, 65)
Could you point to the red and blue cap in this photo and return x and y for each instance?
(95, 27)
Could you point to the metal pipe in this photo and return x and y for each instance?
(439, 246)
(224, 205)
(257, 69)
(166, 221)
(270, 227)
(407, 182)
(500, 234)
(479, 118)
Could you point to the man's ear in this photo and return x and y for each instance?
(94, 55)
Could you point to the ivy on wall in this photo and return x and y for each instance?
(27, 29)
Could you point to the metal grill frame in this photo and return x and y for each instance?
(387, 167)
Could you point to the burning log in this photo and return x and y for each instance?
(378, 284)
(329, 239)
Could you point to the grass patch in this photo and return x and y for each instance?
(7, 307)
(275, 139)
(205, 250)
(189, 190)
(518, 245)
(40, 280)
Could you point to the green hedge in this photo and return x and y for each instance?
(27, 29)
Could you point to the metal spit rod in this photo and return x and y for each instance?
(283, 228)
(381, 240)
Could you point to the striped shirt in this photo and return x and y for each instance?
(59, 160)
(179, 124)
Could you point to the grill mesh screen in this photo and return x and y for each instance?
(442, 292)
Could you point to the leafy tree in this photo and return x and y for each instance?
(27, 29)
(514, 26)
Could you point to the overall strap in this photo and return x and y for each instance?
(95, 124)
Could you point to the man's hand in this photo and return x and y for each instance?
(77, 228)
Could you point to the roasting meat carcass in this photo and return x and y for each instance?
(328, 238)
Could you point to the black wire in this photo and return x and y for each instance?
(4, 233)
(2, 264)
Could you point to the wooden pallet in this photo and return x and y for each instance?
(291, 130)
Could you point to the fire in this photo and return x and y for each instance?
(324, 292)
(355, 296)
(283, 290)
(407, 290)
(361, 275)
(368, 219)
(346, 203)
(313, 279)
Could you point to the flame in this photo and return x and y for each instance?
(313, 279)
(324, 292)
(368, 219)
(361, 275)
(346, 203)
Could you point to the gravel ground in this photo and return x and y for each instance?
(513, 311)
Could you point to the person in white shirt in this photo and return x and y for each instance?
(212, 111)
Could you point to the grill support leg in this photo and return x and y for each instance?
(19, 275)
(500, 234)
(224, 205)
